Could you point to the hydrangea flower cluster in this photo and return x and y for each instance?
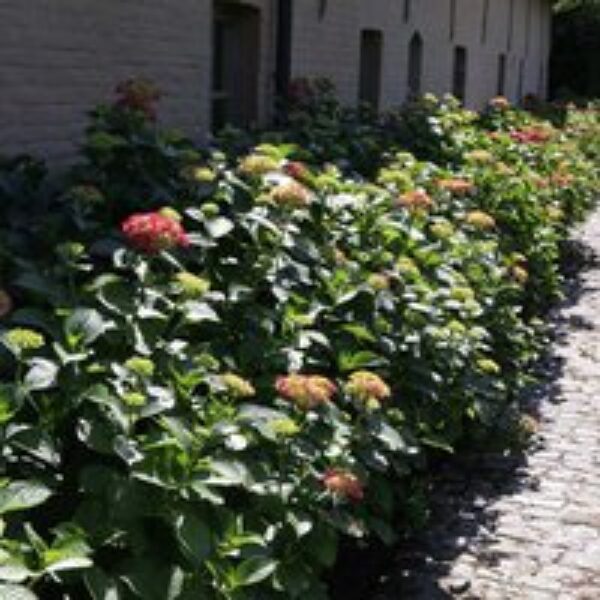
(138, 95)
(306, 391)
(480, 220)
(154, 232)
(290, 194)
(141, 366)
(237, 386)
(344, 484)
(366, 386)
(190, 285)
(297, 170)
(257, 165)
(530, 135)
(499, 103)
(22, 339)
(415, 200)
(457, 186)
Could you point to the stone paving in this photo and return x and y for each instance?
(528, 528)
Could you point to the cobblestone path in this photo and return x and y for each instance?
(527, 529)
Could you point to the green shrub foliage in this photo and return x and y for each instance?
(215, 366)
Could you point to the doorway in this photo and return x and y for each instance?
(236, 60)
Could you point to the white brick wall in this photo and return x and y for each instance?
(60, 57)
(330, 47)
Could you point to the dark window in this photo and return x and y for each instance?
(236, 49)
(371, 51)
(284, 47)
(459, 74)
(501, 86)
(407, 10)
(452, 18)
(415, 65)
(484, 20)
(521, 79)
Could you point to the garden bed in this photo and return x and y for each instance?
(219, 366)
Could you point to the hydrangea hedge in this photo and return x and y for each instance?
(216, 366)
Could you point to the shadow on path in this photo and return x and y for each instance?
(462, 544)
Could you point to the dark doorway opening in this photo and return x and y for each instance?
(459, 75)
(415, 65)
(371, 55)
(236, 60)
(501, 82)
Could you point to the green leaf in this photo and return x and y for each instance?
(36, 442)
(10, 402)
(197, 312)
(16, 592)
(194, 537)
(84, 326)
(228, 474)
(21, 495)
(437, 442)
(43, 287)
(349, 361)
(389, 436)
(42, 375)
(254, 570)
(13, 568)
(323, 545)
(301, 523)
(219, 227)
(101, 587)
(69, 552)
(360, 332)
(151, 579)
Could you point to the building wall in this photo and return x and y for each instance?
(61, 57)
(329, 45)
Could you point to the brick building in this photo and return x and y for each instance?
(224, 60)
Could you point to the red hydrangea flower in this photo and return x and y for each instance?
(153, 232)
(530, 135)
(344, 484)
(297, 170)
(139, 95)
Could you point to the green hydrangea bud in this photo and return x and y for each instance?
(141, 366)
(210, 209)
(170, 213)
(134, 399)
(237, 386)
(191, 285)
(21, 339)
(489, 366)
(284, 427)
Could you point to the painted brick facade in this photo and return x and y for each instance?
(60, 57)
(328, 44)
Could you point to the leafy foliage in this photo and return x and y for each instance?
(207, 419)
